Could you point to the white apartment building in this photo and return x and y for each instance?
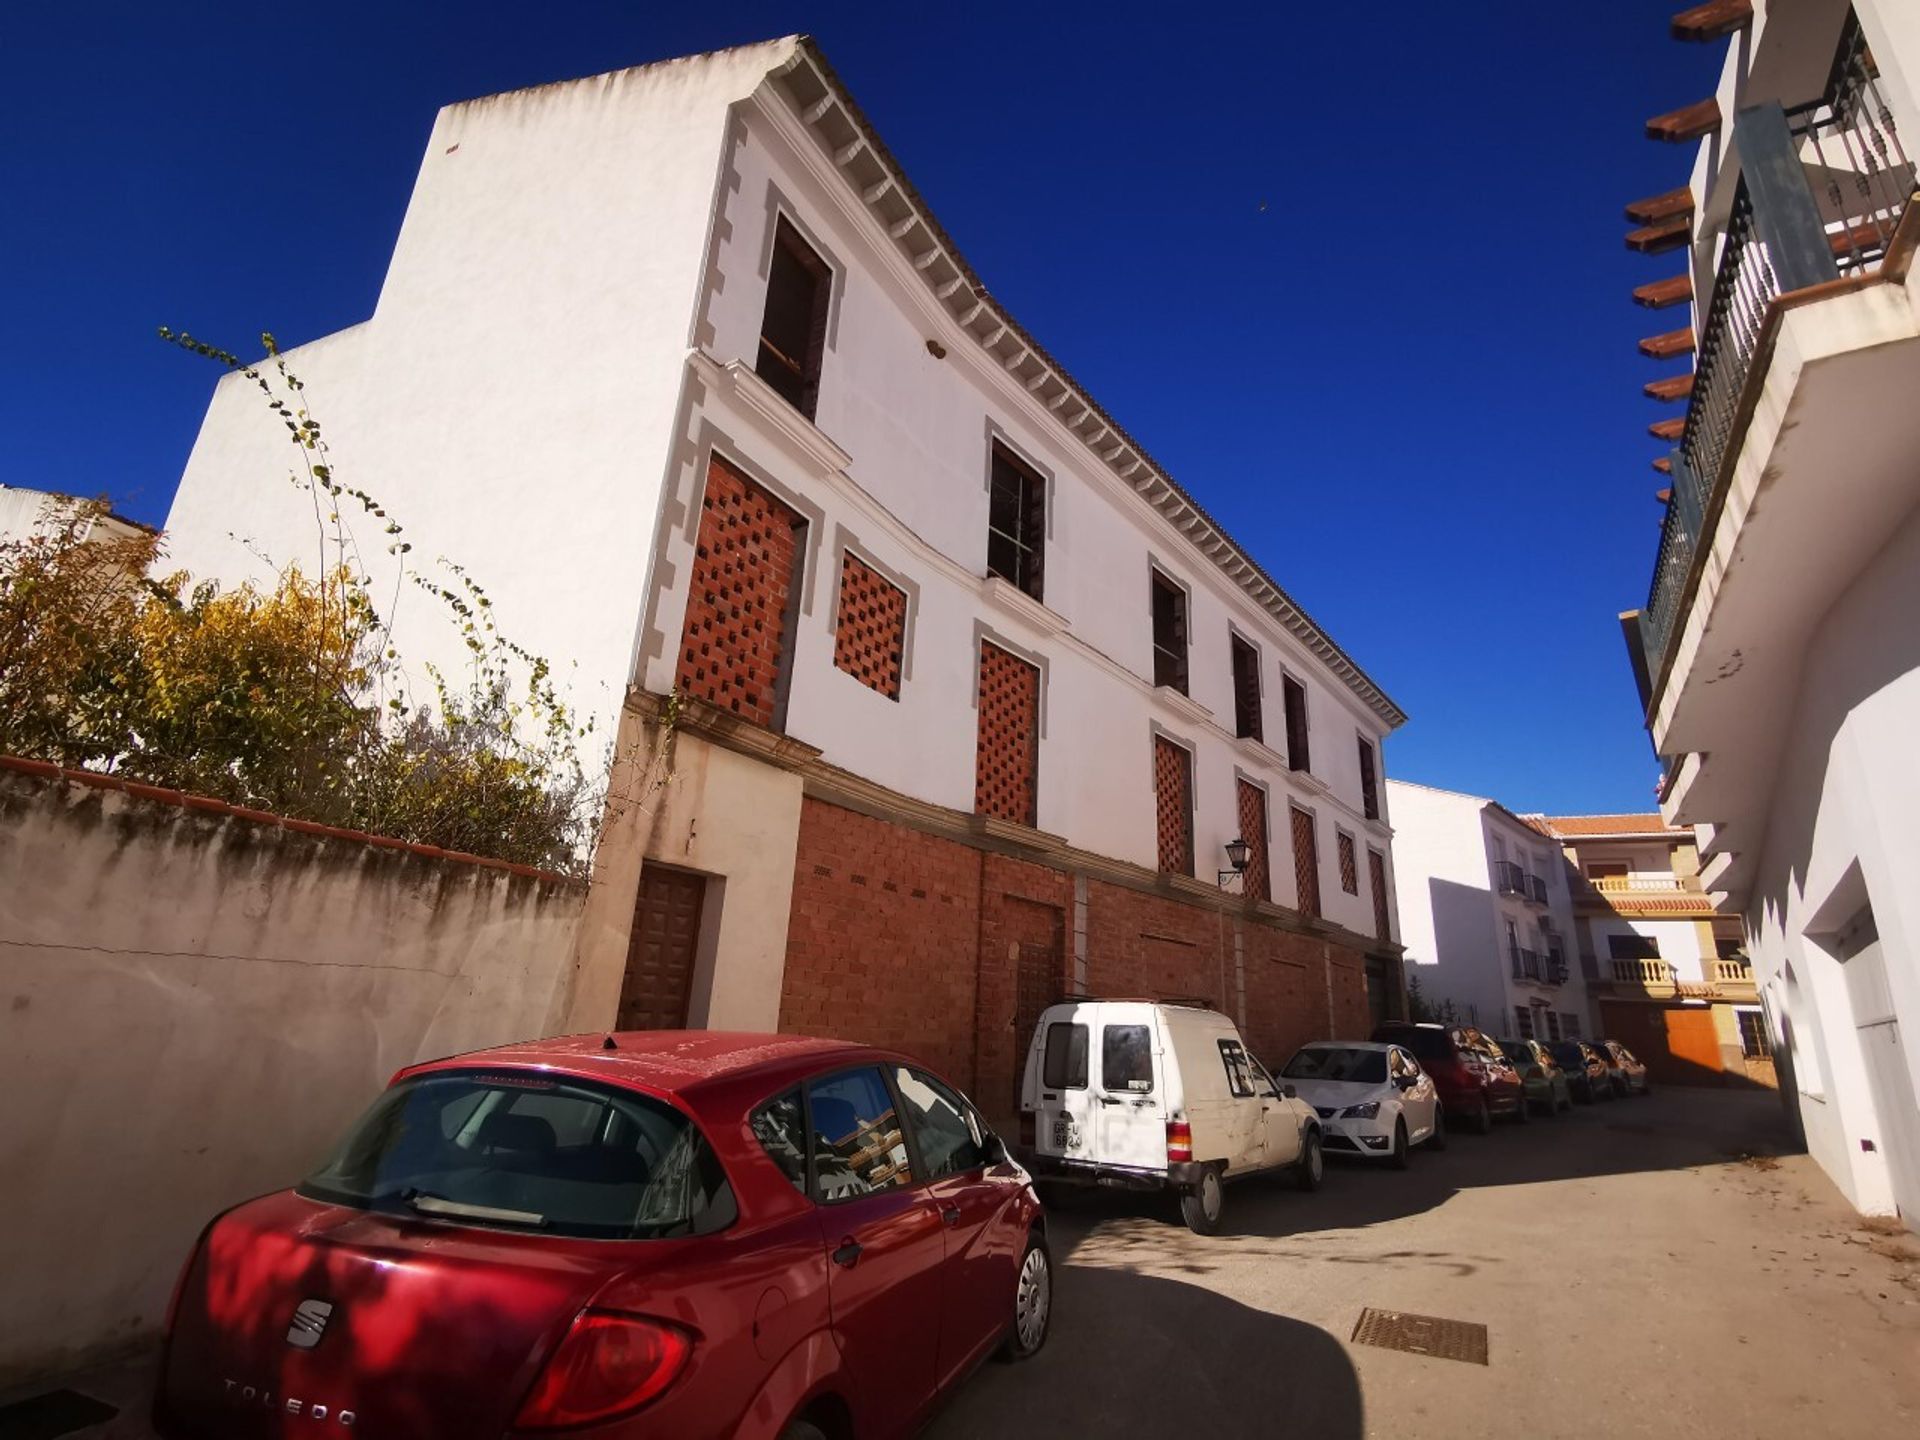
(1486, 916)
(968, 695)
(25, 514)
(1777, 652)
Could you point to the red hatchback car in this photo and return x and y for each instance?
(1475, 1078)
(678, 1233)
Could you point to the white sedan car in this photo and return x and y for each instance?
(1373, 1100)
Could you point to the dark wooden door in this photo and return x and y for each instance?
(661, 953)
(1306, 863)
(1039, 934)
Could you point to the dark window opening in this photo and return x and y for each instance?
(1239, 1068)
(1246, 690)
(1295, 697)
(1016, 523)
(1169, 633)
(1064, 1066)
(1632, 947)
(793, 334)
(1126, 1059)
(1369, 782)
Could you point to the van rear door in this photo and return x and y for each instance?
(1130, 1087)
(1058, 1076)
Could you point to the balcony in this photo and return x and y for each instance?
(1510, 879)
(1536, 889)
(1647, 974)
(1532, 965)
(1793, 462)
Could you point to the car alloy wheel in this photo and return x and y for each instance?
(1032, 1301)
(1200, 1206)
(1438, 1139)
(1523, 1112)
(1312, 1164)
(1399, 1144)
(1482, 1118)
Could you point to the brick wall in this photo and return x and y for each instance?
(909, 940)
(1005, 782)
(870, 626)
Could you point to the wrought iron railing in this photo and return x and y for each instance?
(1509, 878)
(1528, 964)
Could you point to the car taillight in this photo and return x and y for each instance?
(1179, 1142)
(608, 1365)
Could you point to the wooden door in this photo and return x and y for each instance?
(661, 953)
(1038, 933)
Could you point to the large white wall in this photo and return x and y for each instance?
(1844, 827)
(511, 397)
(1447, 909)
(914, 498)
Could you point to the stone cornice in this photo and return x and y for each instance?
(779, 419)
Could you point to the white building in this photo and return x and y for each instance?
(970, 694)
(1486, 915)
(1778, 652)
(25, 514)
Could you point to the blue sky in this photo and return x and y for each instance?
(1408, 383)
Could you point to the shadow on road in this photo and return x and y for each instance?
(1134, 1354)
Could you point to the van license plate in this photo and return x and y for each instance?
(1062, 1131)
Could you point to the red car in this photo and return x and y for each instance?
(678, 1233)
(1476, 1079)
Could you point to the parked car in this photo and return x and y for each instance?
(1629, 1075)
(1541, 1077)
(1372, 1099)
(676, 1233)
(1476, 1080)
(1589, 1076)
(1155, 1095)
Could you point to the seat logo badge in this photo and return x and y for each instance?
(309, 1323)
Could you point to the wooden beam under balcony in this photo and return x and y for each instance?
(1663, 496)
(1662, 207)
(1674, 387)
(1669, 429)
(1689, 122)
(1712, 20)
(1665, 347)
(1659, 294)
(1664, 465)
(1659, 238)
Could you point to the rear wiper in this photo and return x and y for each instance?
(425, 1204)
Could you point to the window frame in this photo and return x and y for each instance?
(1346, 860)
(807, 370)
(1180, 663)
(1300, 747)
(1032, 514)
(1246, 668)
(1086, 1055)
(1229, 1047)
(1106, 1028)
(915, 1179)
(968, 1114)
(1369, 754)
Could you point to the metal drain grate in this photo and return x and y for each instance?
(1422, 1335)
(58, 1412)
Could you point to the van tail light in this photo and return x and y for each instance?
(1028, 1133)
(608, 1365)
(1179, 1142)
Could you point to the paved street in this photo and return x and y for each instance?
(1635, 1275)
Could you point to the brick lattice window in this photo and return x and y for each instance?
(732, 650)
(870, 629)
(1306, 862)
(1006, 762)
(1257, 882)
(1173, 805)
(1377, 873)
(1349, 867)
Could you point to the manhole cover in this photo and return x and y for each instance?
(1422, 1335)
(58, 1412)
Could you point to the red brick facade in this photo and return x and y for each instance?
(1306, 862)
(1173, 805)
(1377, 873)
(743, 573)
(1005, 779)
(1257, 882)
(901, 938)
(870, 627)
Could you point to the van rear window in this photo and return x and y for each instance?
(1126, 1060)
(1065, 1065)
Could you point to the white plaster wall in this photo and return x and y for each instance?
(196, 1006)
(914, 495)
(511, 398)
(1681, 944)
(1448, 913)
(1847, 794)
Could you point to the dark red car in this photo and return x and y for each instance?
(1476, 1079)
(679, 1233)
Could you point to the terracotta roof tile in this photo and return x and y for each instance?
(1567, 827)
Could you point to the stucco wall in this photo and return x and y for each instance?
(192, 1006)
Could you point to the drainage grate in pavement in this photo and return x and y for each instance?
(56, 1413)
(1423, 1335)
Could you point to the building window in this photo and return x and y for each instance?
(733, 651)
(1377, 873)
(1169, 603)
(1755, 1043)
(1016, 522)
(1246, 690)
(1369, 782)
(1006, 758)
(1523, 1021)
(1632, 947)
(793, 333)
(1306, 862)
(1295, 696)
(1256, 881)
(1349, 867)
(1570, 1024)
(870, 627)
(1553, 1024)
(1606, 869)
(1173, 805)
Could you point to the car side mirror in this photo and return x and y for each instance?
(1290, 1091)
(1403, 1082)
(996, 1150)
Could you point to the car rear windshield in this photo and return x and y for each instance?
(521, 1151)
(1365, 1067)
(1064, 1066)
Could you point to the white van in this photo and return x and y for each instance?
(1155, 1094)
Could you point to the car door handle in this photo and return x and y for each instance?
(848, 1252)
(951, 1215)
(1111, 1100)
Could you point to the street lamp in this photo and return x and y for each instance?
(1237, 858)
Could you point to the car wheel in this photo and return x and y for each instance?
(1482, 1118)
(1200, 1206)
(1400, 1150)
(1563, 1103)
(1032, 1303)
(1438, 1139)
(1523, 1112)
(1312, 1164)
(802, 1430)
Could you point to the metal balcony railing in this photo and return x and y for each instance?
(1528, 964)
(1536, 889)
(1822, 189)
(1509, 878)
